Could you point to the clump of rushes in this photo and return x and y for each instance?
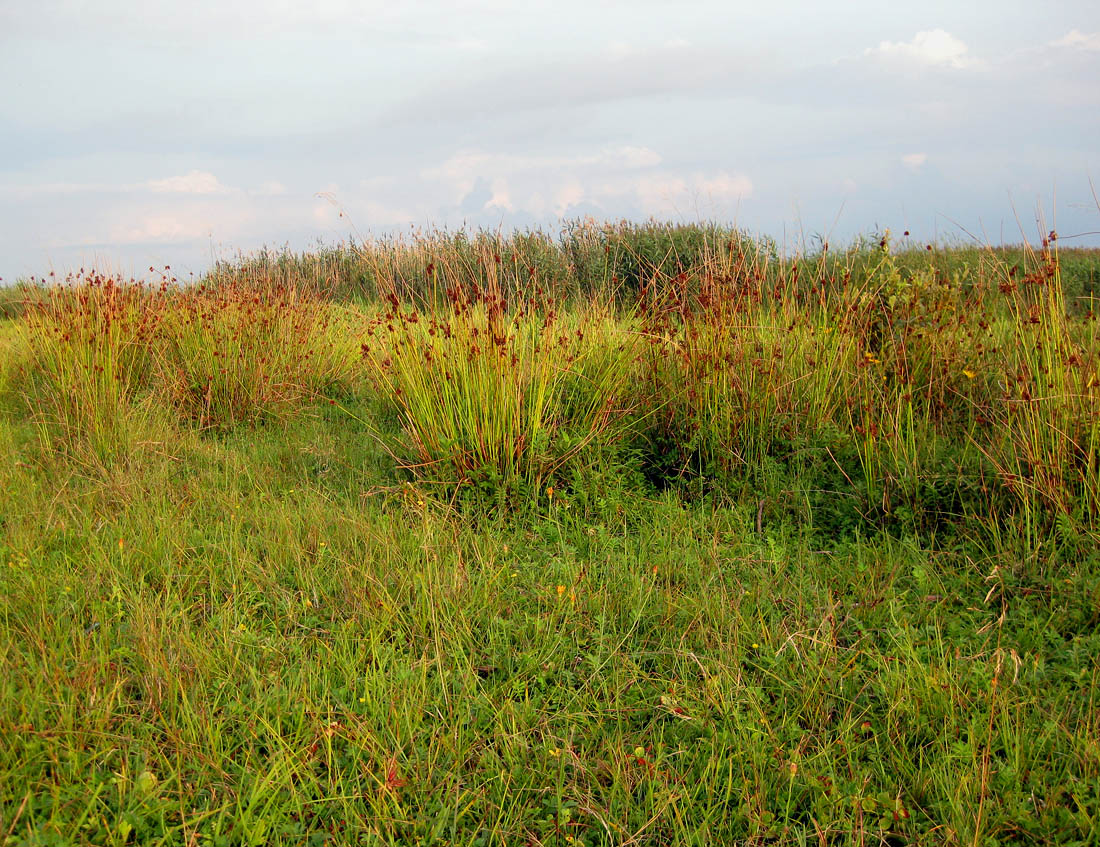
(1045, 431)
(739, 361)
(501, 394)
(238, 353)
(90, 346)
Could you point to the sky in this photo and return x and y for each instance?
(167, 133)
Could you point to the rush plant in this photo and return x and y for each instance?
(496, 395)
(89, 354)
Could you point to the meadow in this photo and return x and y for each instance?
(633, 534)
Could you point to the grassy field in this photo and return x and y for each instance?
(641, 535)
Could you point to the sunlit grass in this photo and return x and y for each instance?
(644, 535)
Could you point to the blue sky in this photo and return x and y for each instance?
(170, 133)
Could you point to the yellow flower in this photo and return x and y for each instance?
(554, 752)
(549, 492)
(969, 374)
(561, 590)
(121, 544)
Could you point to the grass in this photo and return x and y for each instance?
(750, 559)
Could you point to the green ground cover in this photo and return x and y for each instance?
(737, 550)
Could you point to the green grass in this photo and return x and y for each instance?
(806, 607)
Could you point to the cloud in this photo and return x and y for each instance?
(464, 164)
(195, 182)
(696, 194)
(914, 160)
(660, 193)
(668, 192)
(271, 188)
(568, 82)
(1077, 40)
(464, 169)
(567, 195)
(501, 197)
(725, 186)
(930, 48)
(159, 229)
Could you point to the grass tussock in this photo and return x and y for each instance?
(235, 354)
(498, 394)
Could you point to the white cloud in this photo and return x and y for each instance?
(725, 186)
(195, 182)
(670, 193)
(569, 194)
(527, 173)
(634, 157)
(1078, 40)
(660, 194)
(914, 160)
(935, 48)
(271, 188)
(501, 198)
(464, 167)
(159, 229)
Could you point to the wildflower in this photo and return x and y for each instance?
(561, 590)
(639, 751)
(554, 752)
(549, 492)
(755, 646)
(121, 543)
(969, 374)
